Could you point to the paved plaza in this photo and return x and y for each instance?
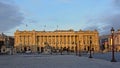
(54, 61)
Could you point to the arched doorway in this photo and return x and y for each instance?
(25, 49)
(42, 49)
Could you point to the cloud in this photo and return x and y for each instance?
(7, 1)
(104, 24)
(116, 4)
(107, 20)
(10, 16)
(65, 1)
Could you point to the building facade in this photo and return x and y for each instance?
(6, 43)
(117, 40)
(35, 41)
(106, 42)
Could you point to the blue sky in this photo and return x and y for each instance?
(67, 14)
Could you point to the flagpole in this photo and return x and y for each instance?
(26, 26)
(44, 27)
(57, 27)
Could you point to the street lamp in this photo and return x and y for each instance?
(76, 48)
(79, 49)
(90, 56)
(61, 50)
(21, 44)
(112, 34)
(56, 47)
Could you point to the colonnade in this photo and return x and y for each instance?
(36, 41)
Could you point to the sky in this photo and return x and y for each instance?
(50, 15)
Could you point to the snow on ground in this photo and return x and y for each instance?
(56, 61)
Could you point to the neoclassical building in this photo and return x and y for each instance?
(35, 41)
(6, 43)
(106, 41)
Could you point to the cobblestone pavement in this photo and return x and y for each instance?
(53, 61)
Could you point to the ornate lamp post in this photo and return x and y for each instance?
(61, 49)
(74, 43)
(76, 48)
(21, 44)
(79, 49)
(90, 56)
(112, 34)
(56, 47)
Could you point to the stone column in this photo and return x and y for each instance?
(55, 41)
(59, 41)
(47, 39)
(65, 41)
(70, 42)
(43, 41)
(28, 40)
(51, 40)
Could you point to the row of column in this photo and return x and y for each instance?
(59, 41)
(51, 40)
(56, 40)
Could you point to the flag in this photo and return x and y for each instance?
(26, 25)
(57, 27)
(44, 25)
